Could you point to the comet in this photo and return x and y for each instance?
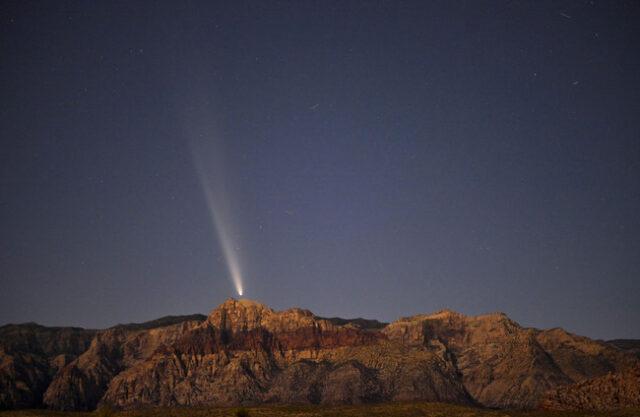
(217, 199)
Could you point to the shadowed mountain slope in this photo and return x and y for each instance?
(609, 392)
(30, 355)
(628, 345)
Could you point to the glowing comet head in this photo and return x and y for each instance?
(231, 258)
(217, 202)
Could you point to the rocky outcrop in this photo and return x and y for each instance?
(505, 365)
(500, 363)
(581, 358)
(80, 384)
(244, 352)
(609, 392)
(30, 355)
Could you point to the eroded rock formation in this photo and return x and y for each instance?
(30, 355)
(246, 353)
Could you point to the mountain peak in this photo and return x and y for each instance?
(242, 303)
(445, 313)
(246, 302)
(243, 314)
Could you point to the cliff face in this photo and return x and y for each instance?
(246, 353)
(501, 363)
(30, 355)
(81, 383)
(581, 358)
(505, 365)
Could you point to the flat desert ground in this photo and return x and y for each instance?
(369, 410)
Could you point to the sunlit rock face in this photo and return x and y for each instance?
(81, 384)
(247, 353)
(500, 363)
(248, 325)
(505, 365)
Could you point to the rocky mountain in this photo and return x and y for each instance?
(81, 384)
(34, 358)
(505, 365)
(609, 392)
(247, 353)
(30, 355)
(244, 352)
(629, 345)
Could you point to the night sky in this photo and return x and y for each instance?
(374, 159)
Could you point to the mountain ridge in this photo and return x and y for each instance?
(244, 352)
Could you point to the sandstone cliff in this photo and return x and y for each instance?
(30, 355)
(505, 365)
(244, 352)
(81, 384)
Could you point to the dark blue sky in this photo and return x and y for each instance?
(380, 159)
